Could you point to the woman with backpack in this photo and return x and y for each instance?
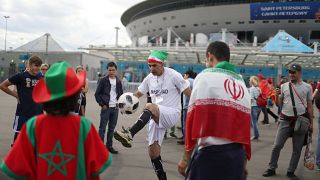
(255, 109)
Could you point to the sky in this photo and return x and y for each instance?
(72, 23)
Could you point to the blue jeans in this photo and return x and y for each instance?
(318, 146)
(108, 117)
(255, 110)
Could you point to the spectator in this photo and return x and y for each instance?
(302, 97)
(44, 68)
(81, 110)
(189, 77)
(318, 139)
(264, 87)
(255, 109)
(271, 99)
(24, 82)
(107, 94)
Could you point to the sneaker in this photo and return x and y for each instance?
(292, 176)
(112, 150)
(269, 172)
(254, 138)
(181, 142)
(173, 135)
(124, 137)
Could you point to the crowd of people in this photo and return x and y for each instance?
(218, 115)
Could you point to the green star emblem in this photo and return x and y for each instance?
(49, 157)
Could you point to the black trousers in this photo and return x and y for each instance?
(218, 162)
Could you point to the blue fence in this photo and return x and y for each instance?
(138, 70)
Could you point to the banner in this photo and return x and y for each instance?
(286, 10)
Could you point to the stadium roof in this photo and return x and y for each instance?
(239, 56)
(149, 7)
(44, 43)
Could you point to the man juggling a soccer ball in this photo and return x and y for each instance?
(165, 86)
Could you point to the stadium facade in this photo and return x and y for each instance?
(244, 18)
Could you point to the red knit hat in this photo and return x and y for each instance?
(60, 81)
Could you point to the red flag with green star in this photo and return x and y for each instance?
(57, 147)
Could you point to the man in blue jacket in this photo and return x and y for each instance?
(107, 94)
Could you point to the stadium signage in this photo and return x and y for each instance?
(288, 10)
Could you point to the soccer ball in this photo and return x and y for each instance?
(128, 103)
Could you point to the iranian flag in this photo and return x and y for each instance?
(219, 107)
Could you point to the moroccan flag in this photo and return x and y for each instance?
(219, 107)
(57, 147)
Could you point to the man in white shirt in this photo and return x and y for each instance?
(164, 85)
(107, 94)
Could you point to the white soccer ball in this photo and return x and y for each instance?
(128, 103)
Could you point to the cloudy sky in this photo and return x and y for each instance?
(72, 23)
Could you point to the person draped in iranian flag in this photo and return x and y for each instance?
(60, 144)
(218, 121)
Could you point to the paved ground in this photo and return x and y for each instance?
(134, 163)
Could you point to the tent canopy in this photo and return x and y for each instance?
(283, 42)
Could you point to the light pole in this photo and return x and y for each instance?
(5, 35)
(117, 29)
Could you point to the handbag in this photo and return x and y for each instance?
(309, 158)
(302, 123)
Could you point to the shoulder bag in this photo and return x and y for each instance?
(302, 123)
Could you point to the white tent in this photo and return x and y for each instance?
(44, 43)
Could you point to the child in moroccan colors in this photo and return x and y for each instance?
(59, 144)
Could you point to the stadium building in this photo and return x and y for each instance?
(200, 20)
(246, 25)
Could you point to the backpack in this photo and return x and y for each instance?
(317, 99)
(262, 99)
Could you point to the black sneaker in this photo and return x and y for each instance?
(265, 123)
(181, 142)
(292, 176)
(269, 172)
(112, 151)
(181, 138)
(124, 137)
